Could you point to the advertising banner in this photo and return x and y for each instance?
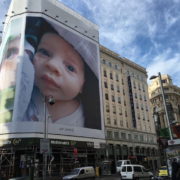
(50, 72)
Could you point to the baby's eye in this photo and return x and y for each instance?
(43, 52)
(70, 68)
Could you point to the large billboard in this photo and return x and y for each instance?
(50, 73)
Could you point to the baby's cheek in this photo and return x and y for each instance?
(37, 65)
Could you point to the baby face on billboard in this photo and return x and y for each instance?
(9, 64)
(59, 69)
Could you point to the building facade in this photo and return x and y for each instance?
(172, 98)
(129, 126)
(34, 145)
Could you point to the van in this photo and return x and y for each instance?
(135, 171)
(81, 173)
(121, 163)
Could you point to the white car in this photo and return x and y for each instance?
(120, 163)
(81, 173)
(135, 171)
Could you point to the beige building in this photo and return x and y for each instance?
(172, 96)
(129, 126)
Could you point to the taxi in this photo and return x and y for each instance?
(163, 171)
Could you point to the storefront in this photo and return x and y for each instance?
(22, 157)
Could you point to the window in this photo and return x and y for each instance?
(143, 88)
(105, 73)
(140, 96)
(109, 134)
(164, 81)
(123, 92)
(129, 169)
(138, 115)
(124, 169)
(111, 76)
(126, 113)
(105, 85)
(107, 107)
(112, 87)
(114, 109)
(141, 138)
(129, 137)
(137, 105)
(104, 61)
(137, 169)
(116, 135)
(122, 81)
(117, 67)
(117, 77)
(110, 64)
(120, 111)
(82, 171)
(135, 94)
(119, 100)
(121, 122)
(118, 89)
(113, 99)
(123, 135)
(136, 137)
(145, 98)
(106, 97)
(108, 120)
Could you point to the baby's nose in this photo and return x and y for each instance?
(54, 67)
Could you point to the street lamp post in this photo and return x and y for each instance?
(45, 139)
(51, 101)
(164, 102)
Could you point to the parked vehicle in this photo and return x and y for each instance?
(81, 173)
(162, 173)
(121, 163)
(135, 171)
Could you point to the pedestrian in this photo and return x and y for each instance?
(175, 167)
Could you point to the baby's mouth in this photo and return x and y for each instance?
(49, 80)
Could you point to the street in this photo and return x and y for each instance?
(109, 177)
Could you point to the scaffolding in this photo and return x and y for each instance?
(7, 160)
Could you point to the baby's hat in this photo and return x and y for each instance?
(87, 48)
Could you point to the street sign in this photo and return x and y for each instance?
(44, 146)
(174, 142)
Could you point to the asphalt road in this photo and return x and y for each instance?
(110, 177)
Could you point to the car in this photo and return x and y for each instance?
(81, 173)
(135, 171)
(163, 171)
(120, 163)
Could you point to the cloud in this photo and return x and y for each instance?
(4, 4)
(146, 32)
(123, 25)
(166, 65)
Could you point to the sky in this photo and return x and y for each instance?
(146, 32)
